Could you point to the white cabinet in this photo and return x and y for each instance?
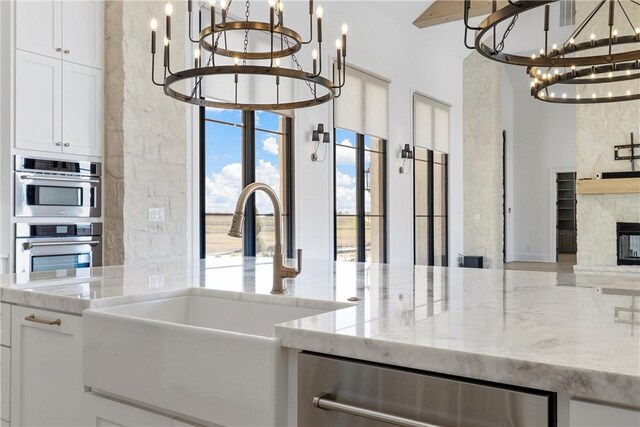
(71, 30)
(59, 83)
(46, 368)
(5, 382)
(38, 27)
(103, 411)
(38, 102)
(587, 414)
(5, 324)
(59, 106)
(82, 110)
(83, 32)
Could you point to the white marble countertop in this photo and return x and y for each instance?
(549, 331)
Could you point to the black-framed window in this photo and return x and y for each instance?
(236, 149)
(431, 240)
(359, 197)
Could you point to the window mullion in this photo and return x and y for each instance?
(249, 177)
(430, 201)
(360, 182)
(202, 196)
(289, 185)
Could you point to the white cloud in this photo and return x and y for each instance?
(346, 142)
(345, 156)
(223, 189)
(344, 180)
(345, 193)
(271, 146)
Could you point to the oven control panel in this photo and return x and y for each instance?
(54, 166)
(58, 230)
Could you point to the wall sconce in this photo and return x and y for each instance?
(406, 154)
(320, 136)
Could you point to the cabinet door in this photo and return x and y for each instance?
(82, 110)
(38, 27)
(38, 102)
(5, 383)
(83, 32)
(101, 411)
(46, 368)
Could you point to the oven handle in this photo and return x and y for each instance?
(324, 401)
(29, 245)
(58, 178)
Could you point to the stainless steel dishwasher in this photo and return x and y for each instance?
(341, 392)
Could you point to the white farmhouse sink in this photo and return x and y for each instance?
(210, 358)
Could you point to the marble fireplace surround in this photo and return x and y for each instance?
(597, 232)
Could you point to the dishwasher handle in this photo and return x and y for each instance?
(324, 401)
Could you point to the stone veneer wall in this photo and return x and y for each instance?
(483, 218)
(146, 139)
(599, 127)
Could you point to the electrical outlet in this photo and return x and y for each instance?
(156, 214)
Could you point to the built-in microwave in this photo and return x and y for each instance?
(57, 188)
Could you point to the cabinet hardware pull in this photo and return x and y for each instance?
(33, 318)
(59, 144)
(66, 51)
(66, 144)
(58, 49)
(325, 402)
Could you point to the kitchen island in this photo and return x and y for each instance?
(574, 335)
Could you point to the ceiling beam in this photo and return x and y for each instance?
(443, 11)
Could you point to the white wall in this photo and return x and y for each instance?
(543, 137)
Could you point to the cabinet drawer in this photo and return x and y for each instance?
(339, 392)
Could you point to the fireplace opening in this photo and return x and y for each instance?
(628, 243)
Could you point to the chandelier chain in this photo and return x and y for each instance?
(298, 66)
(500, 46)
(246, 33)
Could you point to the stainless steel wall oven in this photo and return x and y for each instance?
(43, 247)
(57, 188)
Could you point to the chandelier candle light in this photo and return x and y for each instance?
(212, 44)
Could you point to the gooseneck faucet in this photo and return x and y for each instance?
(280, 271)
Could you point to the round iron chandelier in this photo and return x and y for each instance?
(581, 59)
(215, 58)
(543, 84)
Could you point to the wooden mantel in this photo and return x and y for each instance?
(608, 186)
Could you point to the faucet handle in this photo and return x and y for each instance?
(299, 269)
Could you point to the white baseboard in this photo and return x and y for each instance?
(532, 257)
